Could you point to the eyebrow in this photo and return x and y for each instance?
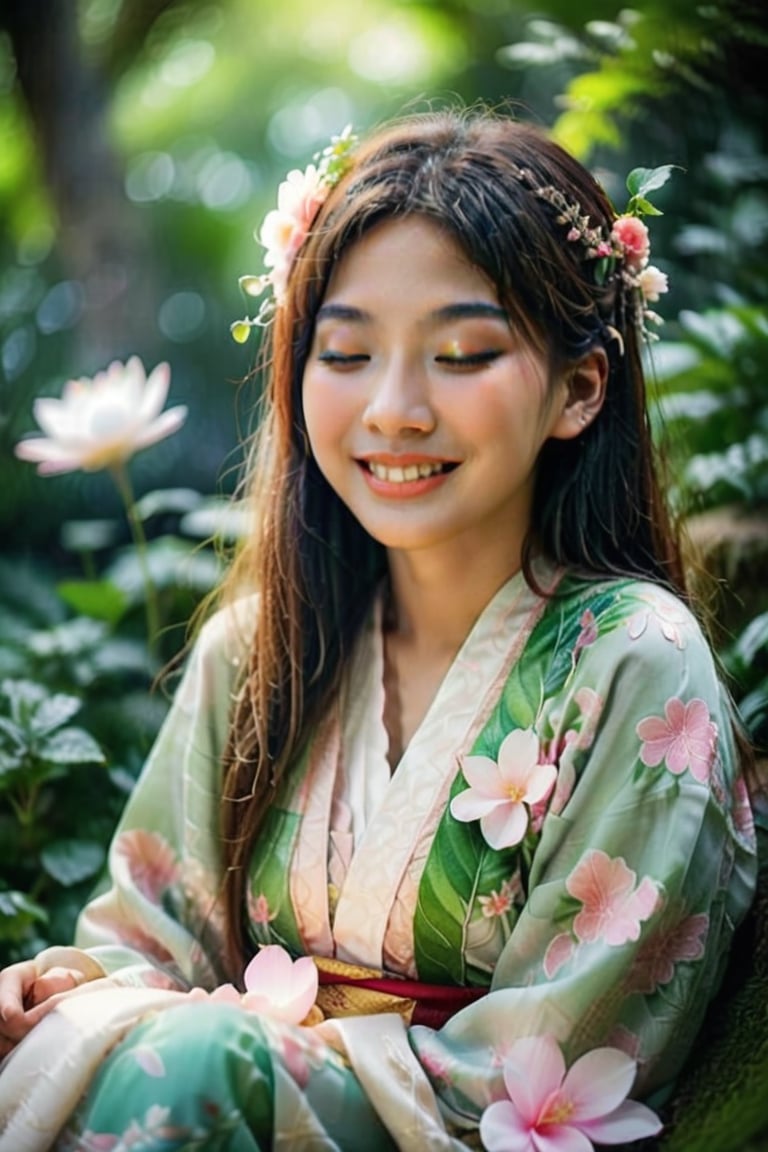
(465, 310)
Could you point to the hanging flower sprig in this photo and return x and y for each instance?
(285, 228)
(100, 423)
(623, 252)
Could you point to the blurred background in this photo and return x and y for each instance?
(141, 143)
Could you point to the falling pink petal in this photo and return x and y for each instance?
(149, 1061)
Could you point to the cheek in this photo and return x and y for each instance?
(324, 416)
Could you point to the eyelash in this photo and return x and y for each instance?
(339, 360)
(472, 360)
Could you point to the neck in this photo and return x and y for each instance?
(435, 602)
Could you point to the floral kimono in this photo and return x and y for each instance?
(607, 922)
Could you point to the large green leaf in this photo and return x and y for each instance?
(97, 598)
(71, 861)
(54, 712)
(71, 746)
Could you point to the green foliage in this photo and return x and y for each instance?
(51, 842)
(79, 648)
(715, 405)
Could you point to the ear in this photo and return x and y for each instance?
(583, 393)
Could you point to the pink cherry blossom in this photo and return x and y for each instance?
(550, 1109)
(684, 737)
(499, 791)
(612, 908)
(151, 861)
(632, 235)
(656, 959)
(498, 903)
(101, 422)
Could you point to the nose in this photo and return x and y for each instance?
(399, 401)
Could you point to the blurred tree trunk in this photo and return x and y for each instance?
(100, 241)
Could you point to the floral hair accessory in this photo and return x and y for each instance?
(285, 228)
(625, 250)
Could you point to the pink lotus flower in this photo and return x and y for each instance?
(276, 986)
(551, 1110)
(632, 236)
(612, 908)
(499, 792)
(684, 738)
(101, 423)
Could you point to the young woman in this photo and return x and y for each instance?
(455, 734)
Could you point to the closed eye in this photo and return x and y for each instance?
(471, 360)
(342, 359)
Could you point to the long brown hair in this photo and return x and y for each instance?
(597, 503)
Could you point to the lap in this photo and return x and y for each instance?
(211, 1076)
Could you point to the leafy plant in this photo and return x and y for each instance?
(53, 844)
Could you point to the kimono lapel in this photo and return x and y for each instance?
(382, 879)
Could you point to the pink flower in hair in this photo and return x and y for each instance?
(631, 235)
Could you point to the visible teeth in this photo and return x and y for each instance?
(402, 475)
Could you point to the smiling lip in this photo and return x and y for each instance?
(406, 475)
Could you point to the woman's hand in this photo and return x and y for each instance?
(27, 994)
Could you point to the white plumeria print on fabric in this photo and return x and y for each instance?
(551, 1109)
(501, 792)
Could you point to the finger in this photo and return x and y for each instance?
(52, 982)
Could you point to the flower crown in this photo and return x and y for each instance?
(625, 249)
(622, 251)
(285, 228)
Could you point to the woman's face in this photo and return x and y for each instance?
(425, 410)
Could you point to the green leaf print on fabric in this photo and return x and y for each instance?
(270, 913)
(461, 868)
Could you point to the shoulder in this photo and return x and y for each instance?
(627, 632)
(638, 610)
(218, 654)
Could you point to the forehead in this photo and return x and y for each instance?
(405, 256)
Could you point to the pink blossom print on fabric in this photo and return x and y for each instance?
(684, 737)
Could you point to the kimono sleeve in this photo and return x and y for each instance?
(644, 864)
(157, 923)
